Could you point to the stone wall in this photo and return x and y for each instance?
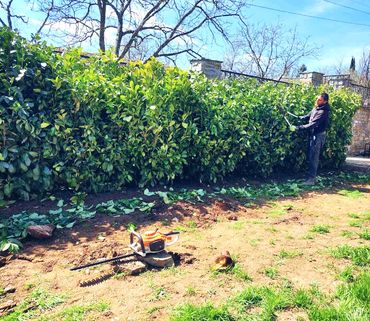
(360, 132)
(314, 78)
(337, 81)
(211, 68)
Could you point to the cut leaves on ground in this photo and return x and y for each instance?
(279, 272)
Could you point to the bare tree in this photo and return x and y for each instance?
(364, 68)
(141, 28)
(360, 76)
(11, 18)
(9, 14)
(340, 68)
(269, 50)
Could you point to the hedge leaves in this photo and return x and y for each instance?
(97, 125)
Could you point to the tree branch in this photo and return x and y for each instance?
(51, 8)
(155, 9)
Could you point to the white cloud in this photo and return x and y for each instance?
(35, 22)
(317, 8)
(110, 37)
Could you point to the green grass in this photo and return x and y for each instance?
(191, 312)
(364, 234)
(189, 226)
(354, 215)
(40, 300)
(320, 228)
(153, 309)
(190, 291)
(236, 270)
(357, 291)
(308, 236)
(358, 219)
(276, 212)
(271, 272)
(350, 302)
(347, 274)
(171, 271)
(78, 313)
(40, 303)
(119, 275)
(347, 233)
(279, 210)
(272, 229)
(29, 285)
(159, 293)
(358, 255)
(240, 273)
(355, 224)
(283, 254)
(268, 300)
(254, 242)
(355, 194)
(239, 225)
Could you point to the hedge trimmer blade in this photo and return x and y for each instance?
(114, 259)
(291, 114)
(283, 112)
(287, 121)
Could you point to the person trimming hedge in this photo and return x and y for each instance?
(318, 121)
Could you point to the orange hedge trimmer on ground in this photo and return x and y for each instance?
(147, 243)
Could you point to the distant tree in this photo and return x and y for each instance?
(303, 68)
(352, 66)
(364, 69)
(268, 50)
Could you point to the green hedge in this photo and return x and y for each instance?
(97, 125)
(26, 102)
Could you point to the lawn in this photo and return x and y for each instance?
(300, 254)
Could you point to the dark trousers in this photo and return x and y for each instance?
(316, 142)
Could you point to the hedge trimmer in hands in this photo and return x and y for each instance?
(284, 112)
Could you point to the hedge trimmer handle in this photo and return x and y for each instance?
(134, 245)
(172, 237)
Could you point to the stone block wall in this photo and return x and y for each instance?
(337, 81)
(211, 68)
(360, 132)
(314, 78)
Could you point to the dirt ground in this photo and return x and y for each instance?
(275, 235)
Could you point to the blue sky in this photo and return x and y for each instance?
(338, 41)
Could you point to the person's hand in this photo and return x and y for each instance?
(293, 128)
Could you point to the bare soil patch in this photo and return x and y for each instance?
(274, 234)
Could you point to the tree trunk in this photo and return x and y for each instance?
(102, 10)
